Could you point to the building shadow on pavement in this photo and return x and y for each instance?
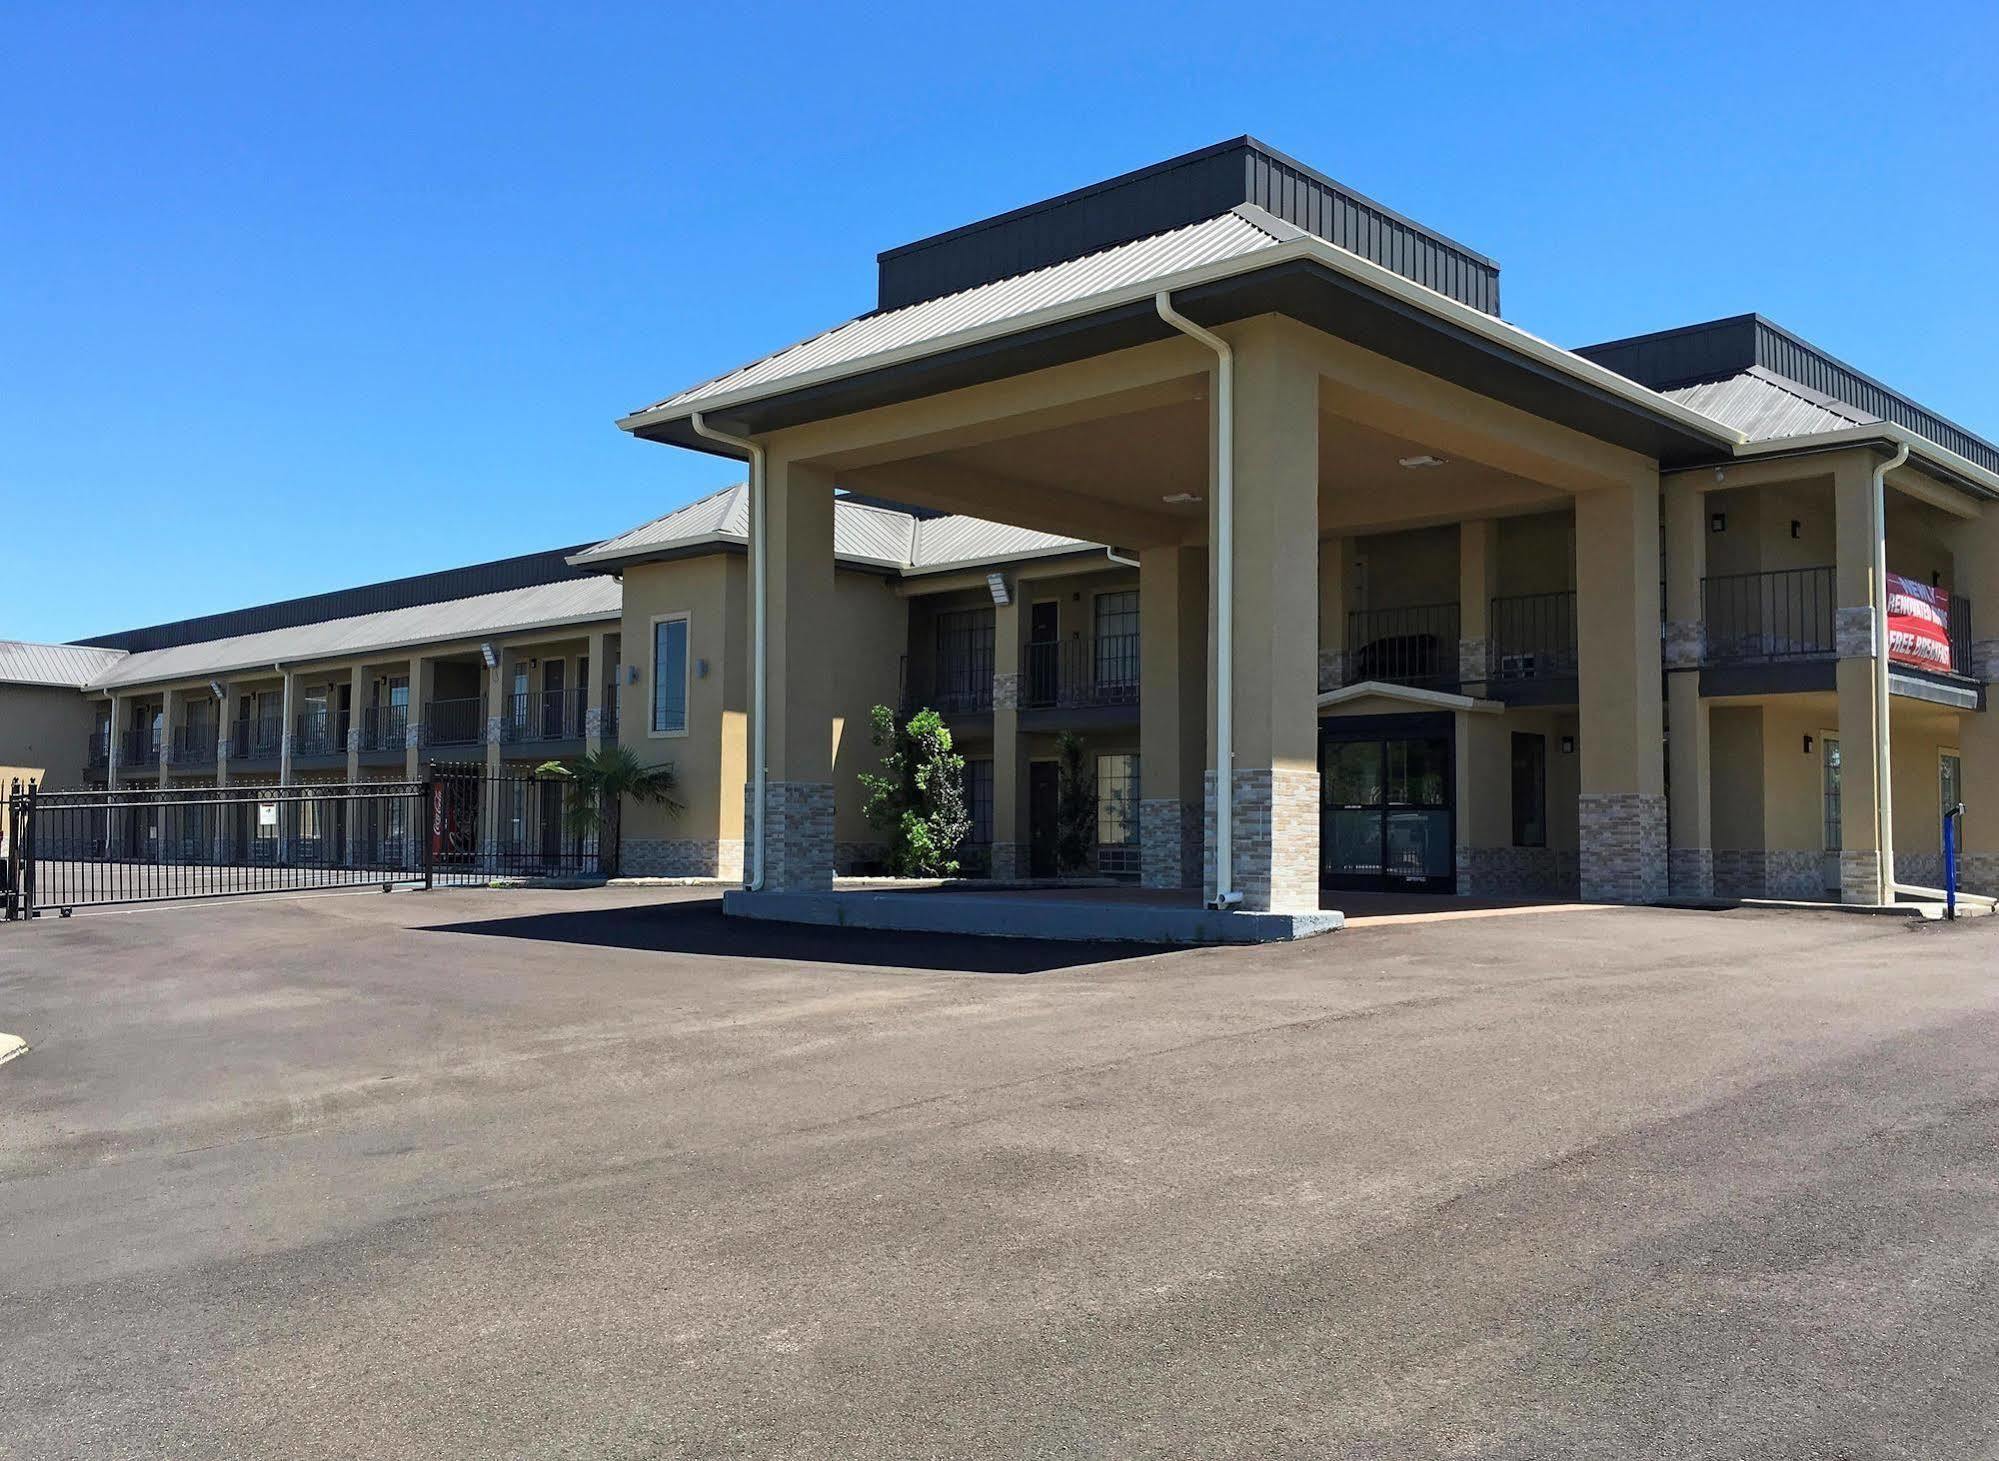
(699, 927)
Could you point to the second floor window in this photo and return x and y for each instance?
(1117, 638)
(669, 675)
(964, 655)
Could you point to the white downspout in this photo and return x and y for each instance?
(1226, 895)
(759, 642)
(1884, 794)
(1120, 559)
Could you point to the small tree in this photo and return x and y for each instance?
(605, 780)
(917, 800)
(1075, 806)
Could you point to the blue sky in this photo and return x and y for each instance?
(293, 297)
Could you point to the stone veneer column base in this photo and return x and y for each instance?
(1465, 861)
(798, 834)
(1859, 877)
(1009, 861)
(1473, 660)
(1623, 846)
(1274, 838)
(1978, 872)
(1690, 872)
(1169, 850)
(681, 857)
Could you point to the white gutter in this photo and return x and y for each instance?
(1226, 895)
(759, 643)
(1119, 558)
(1884, 791)
(1872, 432)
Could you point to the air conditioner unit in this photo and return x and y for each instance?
(1517, 666)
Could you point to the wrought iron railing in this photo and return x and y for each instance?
(100, 748)
(194, 745)
(956, 688)
(542, 715)
(1533, 638)
(139, 748)
(315, 734)
(1784, 614)
(258, 738)
(1412, 646)
(609, 719)
(1081, 673)
(454, 722)
(384, 727)
(1960, 636)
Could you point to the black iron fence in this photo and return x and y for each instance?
(75, 849)
(610, 712)
(1533, 638)
(1412, 646)
(954, 687)
(485, 827)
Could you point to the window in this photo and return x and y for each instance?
(669, 675)
(1530, 790)
(1950, 782)
(1117, 638)
(964, 660)
(979, 801)
(1829, 769)
(1117, 815)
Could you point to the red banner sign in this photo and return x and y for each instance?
(1918, 624)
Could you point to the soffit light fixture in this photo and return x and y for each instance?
(1181, 499)
(1425, 460)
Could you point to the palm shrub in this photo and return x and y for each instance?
(917, 800)
(605, 780)
(1075, 806)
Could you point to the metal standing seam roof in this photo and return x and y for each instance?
(576, 600)
(862, 533)
(1231, 235)
(1764, 406)
(23, 662)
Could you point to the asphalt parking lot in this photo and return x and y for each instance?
(602, 1174)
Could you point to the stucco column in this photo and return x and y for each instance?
(164, 819)
(419, 707)
(1621, 812)
(113, 749)
(1975, 577)
(1274, 782)
(1009, 850)
(1866, 865)
(1335, 558)
(287, 811)
(357, 683)
(800, 625)
(593, 692)
(493, 816)
(1478, 545)
(225, 824)
(1690, 811)
(1172, 713)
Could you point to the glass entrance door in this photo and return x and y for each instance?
(1386, 813)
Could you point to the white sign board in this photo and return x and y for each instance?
(267, 814)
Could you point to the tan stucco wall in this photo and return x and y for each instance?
(44, 733)
(1486, 805)
(1537, 554)
(1736, 776)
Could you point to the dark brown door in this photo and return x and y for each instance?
(1043, 786)
(1044, 649)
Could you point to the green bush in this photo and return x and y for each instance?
(917, 800)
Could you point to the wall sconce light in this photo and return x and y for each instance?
(701, 669)
(631, 674)
(1797, 528)
(1808, 745)
(1568, 745)
(1717, 522)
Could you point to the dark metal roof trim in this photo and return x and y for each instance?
(1173, 194)
(525, 571)
(1716, 349)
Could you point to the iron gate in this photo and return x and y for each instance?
(76, 849)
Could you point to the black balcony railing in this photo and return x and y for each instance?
(955, 688)
(1533, 638)
(454, 722)
(139, 748)
(315, 734)
(610, 715)
(384, 727)
(257, 738)
(1786, 614)
(194, 745)
(542, 715)
(1960, 636)
(1081, 673)
(100, 748)
(1413, 646)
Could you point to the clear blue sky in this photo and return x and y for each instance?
(295, 296)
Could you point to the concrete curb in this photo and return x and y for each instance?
(977, 916)
(12, 1046)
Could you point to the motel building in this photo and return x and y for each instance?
(1347, 584)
